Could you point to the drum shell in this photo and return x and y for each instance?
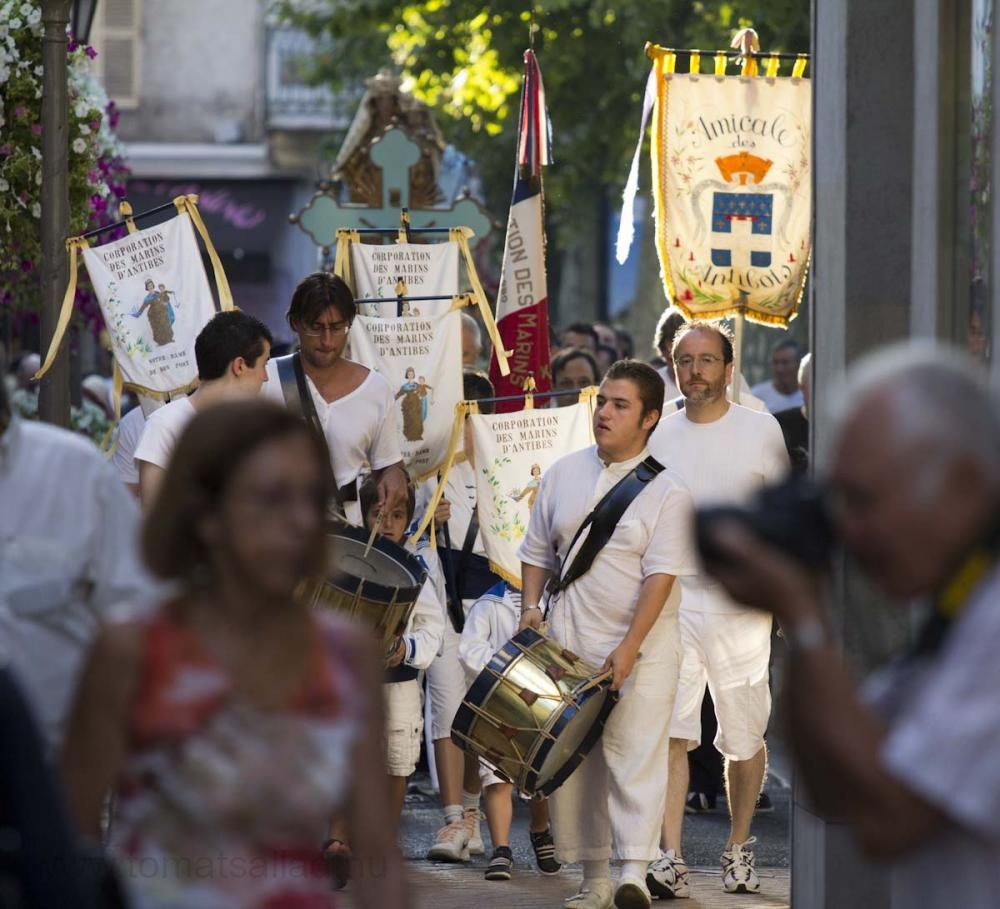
(515, 733)
(376, 601)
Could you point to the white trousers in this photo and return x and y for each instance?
(612, 805)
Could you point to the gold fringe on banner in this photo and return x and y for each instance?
(461, 236)
(461, 409)
(189, 204)
(73, 247)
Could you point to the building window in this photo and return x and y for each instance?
(115, 37)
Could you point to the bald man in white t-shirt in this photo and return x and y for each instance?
(723, 453)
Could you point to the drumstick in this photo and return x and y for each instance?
(374, 533)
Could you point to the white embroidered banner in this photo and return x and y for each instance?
(732, 176)
(422, 360)
(513, 451)
(155, 299)
(427, 269)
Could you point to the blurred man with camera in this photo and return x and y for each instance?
(914, 495)
(724, 453)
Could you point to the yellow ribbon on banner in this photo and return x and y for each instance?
(73, 247)
(189, 204)
(720, 63)
(772, 67)
(461, 236)
(529, 392)
(342, 257)
(694, 63)
(799, 68)
(461, 409)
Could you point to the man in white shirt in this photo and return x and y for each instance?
(781, 391)
(126, 439)
(910, 761)
(723, 453)
(622, 615)
(231, 352)
(354, 405)
(68, 553)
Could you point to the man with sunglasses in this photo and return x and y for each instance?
(350, 404)
(724, 453)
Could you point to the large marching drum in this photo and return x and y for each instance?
(534, 712)
(379, 584)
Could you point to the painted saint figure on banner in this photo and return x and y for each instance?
(156, 305)
(412, 406)
(424, 391)
(530, 490)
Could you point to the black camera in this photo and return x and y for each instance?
(792, 516)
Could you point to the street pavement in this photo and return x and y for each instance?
(444, 886)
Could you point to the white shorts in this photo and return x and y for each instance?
(729, 652)
(446, 684)
(404, 724)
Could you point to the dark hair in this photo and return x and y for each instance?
(583, 328)
(226, 336)
(646, 379)
(368, 497)
(788, 343)
(666, 329)
(716, 328)
(561, 360)
(625, 340)
(206, 458)
(476, 386)
(315, 294)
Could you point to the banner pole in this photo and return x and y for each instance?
(738, 346)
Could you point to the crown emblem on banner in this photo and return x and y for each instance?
(737, 168)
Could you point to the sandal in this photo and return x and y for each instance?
(337, 854)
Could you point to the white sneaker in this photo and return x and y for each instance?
(472, 818)
(594, 894)
(632, 894)
(667, 877)
(452, 844)
(738, 872)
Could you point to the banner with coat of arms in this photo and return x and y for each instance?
(513, 451)
(731, 172)
(421, 357)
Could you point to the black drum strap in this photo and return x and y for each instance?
(295, 390)
(603, 520)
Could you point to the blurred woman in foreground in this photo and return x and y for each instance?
(233, 721)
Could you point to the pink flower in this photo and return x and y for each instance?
(6, 150)
(90, 52)
(36, 129)
(26, 265)
(20, 111)
(95, 125)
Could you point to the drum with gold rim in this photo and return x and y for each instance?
(534, 712)
(380, 587)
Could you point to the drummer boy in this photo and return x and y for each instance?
(492, 622)
(404, 719)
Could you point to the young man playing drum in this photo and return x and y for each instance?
(619, 613)
(352, 406)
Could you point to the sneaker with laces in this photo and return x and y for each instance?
(451, 844)
(631, 893)
(667, 877)
(594, 894)
(472, 818)
(738, 872)
(501, 863)
(545, 851)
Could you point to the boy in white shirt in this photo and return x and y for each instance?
(491, 622)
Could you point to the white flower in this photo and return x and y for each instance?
(81, 108)
(4, 185)
(39, 70)
(35, 16)
(26, 9)
(36, 210)
(15, 24)
(37, 152)
(79, 145)
(38, 179)
(84, 129)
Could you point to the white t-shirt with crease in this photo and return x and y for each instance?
(723, 462)
(129, 432)
(360, 428)
(163, 429)
(776, 401)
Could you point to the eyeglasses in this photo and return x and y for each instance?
(705, 361)
(318, 329)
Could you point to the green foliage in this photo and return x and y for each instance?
(464, 58)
